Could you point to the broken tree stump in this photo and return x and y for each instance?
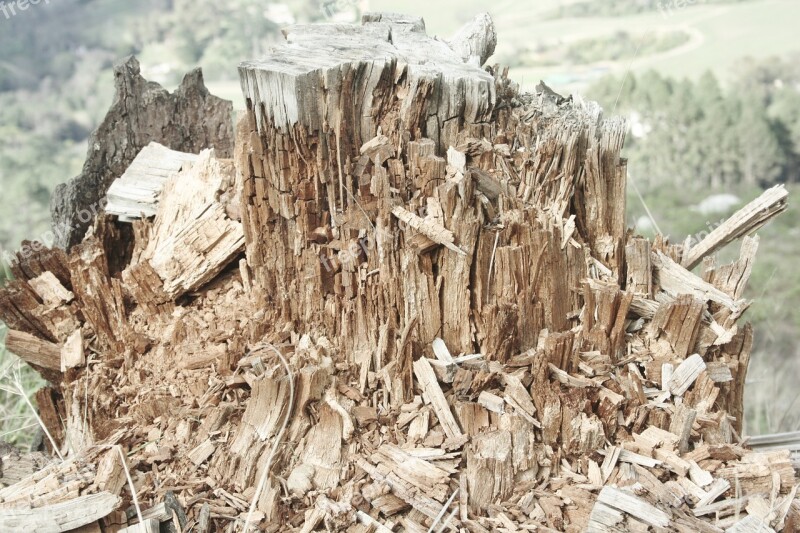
(474, 340)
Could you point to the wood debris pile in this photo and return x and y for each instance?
(476, 341)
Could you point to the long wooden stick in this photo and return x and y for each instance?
(745, 221)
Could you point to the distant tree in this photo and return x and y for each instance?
(784, 111)
(697, 135)
(654, 90)
(761, 157)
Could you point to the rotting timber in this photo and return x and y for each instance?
(476, 341)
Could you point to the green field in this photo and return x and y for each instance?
(722, 34)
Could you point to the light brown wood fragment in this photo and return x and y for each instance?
(656, 488)
(135, 194)
(782, 510)
(685, 375)
(193, 237)
(634, 506)
(722, 508)
(34, 350)
(72, 354)
(491, 402)
(110, 475)
(418, 428)
(198, 251)
(440, 351)
(50, 290)
(59, 517)
(732, 278)
(719, 372)
(655, 437)
(434, 396)
(745, 221)
(418, 500)
(430, 229)
(750, 524)
(610, 461)
(681, 425)
(676, 280)
(567, 379)
(639, 268)
(475, 41)
(200, 453)
(371, 523)
(717, 488)
(604, 518)
(672, 461)
(634, 458)
(700, 477)
(490, 474)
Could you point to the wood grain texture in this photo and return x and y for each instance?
(474, 338)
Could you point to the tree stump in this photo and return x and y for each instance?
(473, 338)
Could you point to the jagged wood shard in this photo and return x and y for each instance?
(135, 194)
(59, 517)
(748, 219)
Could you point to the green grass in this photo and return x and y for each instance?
(619, 46)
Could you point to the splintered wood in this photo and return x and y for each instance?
(475, 340)
(135, 194)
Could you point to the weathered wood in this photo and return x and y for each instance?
(684, 376)
(58, 517)
(34, 350)
(745, 221)
(135, 194)
(631, 505)
(433, 395)
(72, 353)
(189, 119)
(193, 238)
(148, 526)
(438, 266)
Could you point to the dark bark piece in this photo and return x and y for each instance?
(188, 120)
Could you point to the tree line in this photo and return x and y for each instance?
(699, 134)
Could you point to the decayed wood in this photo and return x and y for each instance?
(148, 526)
(475, 42)
(135, 194)
(433, 395)
(50, 289)
(72, 353)
(675, 279)
(685, 374)
(193, 238)
(745, 221)
(431, 230)
(640, 271)
(472, 336)
(59, 517)
(457, 90)
(629, 504)
(34, 350)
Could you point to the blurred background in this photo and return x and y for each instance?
(711, 89)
